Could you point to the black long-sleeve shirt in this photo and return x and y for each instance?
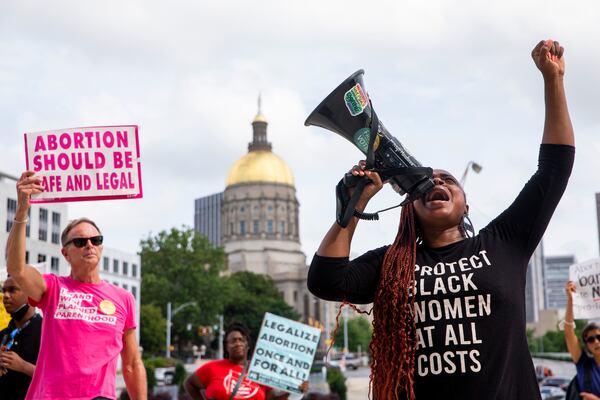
(470, 299)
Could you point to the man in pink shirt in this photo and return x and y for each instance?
(87, 322)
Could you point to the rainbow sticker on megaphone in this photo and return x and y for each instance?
(356, 100)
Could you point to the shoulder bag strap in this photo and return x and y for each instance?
(239, 381)
(587, 377)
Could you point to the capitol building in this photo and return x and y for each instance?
(255, 219)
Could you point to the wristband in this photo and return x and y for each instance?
(561, 324)
(21, 222)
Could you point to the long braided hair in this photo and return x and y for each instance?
(394, 330)
(393, 344)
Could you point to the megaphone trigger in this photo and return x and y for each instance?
(353, 180)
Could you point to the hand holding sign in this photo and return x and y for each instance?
(283, 353)
(584, 289)
(27, 185)
(569, 290)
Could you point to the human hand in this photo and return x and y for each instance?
(548, 58)
(588, 396)
(570, 289)
(372, 188)
(304, 387)
(12, 361)
(27, 185)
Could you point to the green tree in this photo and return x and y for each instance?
(337, 382)
(359, 334)
(553, 341)
(250, 296)
(181, 266)
(152, 329)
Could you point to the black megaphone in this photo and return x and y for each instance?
(348, 112)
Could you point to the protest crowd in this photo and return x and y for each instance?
(448, 303)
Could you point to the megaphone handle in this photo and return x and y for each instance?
(359, 183)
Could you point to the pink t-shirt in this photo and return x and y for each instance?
(82, 337)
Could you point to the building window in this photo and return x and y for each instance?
(134, 270)
(242, 227)
(231, 228)
(54, 264)
(105, 263)
(134, 292)
(11, 211)
(116, 266)
(295, 296)
(255, 227)
(282, 227)
(116, 284)
(125, 286)
(41, 258)
(125, 268)
(270, 226)
(27, 257)
(55, 227)
(43, 228)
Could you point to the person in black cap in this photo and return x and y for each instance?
(20, 343)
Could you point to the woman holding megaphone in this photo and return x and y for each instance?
(449, 308)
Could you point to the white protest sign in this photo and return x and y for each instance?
(284, 353)
(86, 163)
(586, 300)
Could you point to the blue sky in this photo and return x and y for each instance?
(453, 80)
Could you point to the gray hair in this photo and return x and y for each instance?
(73, 224)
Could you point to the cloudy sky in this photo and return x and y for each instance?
(452, 80)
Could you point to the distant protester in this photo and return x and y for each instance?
(227, 379)
(20, 342)
(587, 361)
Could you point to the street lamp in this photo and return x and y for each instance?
(470, 165)
(169, 316)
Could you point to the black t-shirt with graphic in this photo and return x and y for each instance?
(470, 300)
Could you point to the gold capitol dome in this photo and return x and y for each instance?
(260, 164)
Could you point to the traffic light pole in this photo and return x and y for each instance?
(168, 352)
(221, 333)
(169, 323)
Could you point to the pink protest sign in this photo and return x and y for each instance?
(87, 163)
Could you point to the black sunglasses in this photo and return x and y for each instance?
(592, 338)
(81, 242)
